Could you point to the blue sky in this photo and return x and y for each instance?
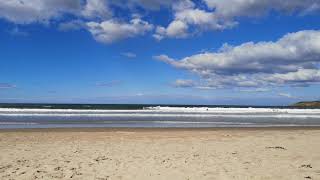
(151, 51)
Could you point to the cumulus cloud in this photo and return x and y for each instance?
(186, 14)
(301, 77)
(96, 16)
(111, 30)
(220, 15)
(189, 17)
(292, 60)
(97, 9)
(177, 29)
(255, 8)
(42, 11)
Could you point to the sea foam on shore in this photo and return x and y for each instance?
(158, 117)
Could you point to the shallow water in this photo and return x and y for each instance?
(158, 117)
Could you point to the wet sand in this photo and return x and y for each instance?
(228, 153)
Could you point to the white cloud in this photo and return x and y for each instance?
(203, 20)
(39, 11)
(43, 11)
(112, 30)
(292, 60)
(299, 77)
(189, 17)
(220, 15)
(97, 9)
(255, 8)
(72, 25)
(177, 29)
(129, 54)
(96, 16)
(205, 88)
(255, 90)
(139, 94)
(188, 83)
(287, 95)
(183, 83)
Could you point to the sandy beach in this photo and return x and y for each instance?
(248, 153)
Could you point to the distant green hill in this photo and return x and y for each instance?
(311, 104)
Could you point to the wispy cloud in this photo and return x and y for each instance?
(254, 90)
(129, 54)
(108, 84)
(287, 95)
(188, 83)
(18, 32)
(7, 86)
(52, 92)
(184, 83)
(205, 88)
(72, 25)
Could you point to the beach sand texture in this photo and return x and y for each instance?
(160, 154)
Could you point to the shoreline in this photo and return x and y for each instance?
(147, 129)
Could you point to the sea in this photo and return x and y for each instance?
(16, 116)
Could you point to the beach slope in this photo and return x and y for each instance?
(281, 153)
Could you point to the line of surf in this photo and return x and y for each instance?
(169, 115)
(169, 110)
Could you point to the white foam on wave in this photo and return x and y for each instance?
(18, 123)
(266, 115)
(161, 109)
(231, 110)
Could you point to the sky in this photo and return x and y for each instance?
(239, 52)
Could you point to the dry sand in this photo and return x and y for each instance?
(160, 154)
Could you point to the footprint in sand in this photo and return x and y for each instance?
(4, 168)
(306, 166)
(57, 168)
(101, 158)
(276, 147)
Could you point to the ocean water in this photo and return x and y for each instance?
(51, 116)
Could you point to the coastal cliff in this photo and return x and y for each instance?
(311, 104)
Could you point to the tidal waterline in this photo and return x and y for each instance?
(158, 117)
